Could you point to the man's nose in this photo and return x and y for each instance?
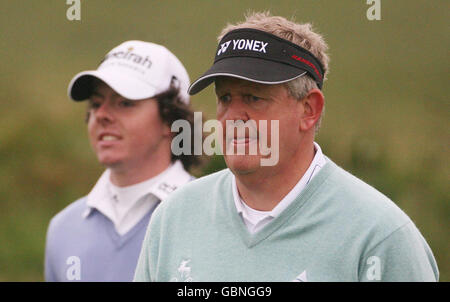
(104, 113)
(236, 110)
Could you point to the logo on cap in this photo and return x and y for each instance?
(223, 47)
(129, 56)
(244, 44)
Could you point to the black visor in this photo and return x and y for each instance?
(258, 56)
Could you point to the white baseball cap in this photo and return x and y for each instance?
(136, 70)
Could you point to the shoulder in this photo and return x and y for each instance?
(370, 223)
(210, 179)
(201, 192)
(364, 204)
(201, 187)
(69, 216)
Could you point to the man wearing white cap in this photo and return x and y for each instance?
(136, 93)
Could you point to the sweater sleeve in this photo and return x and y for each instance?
(142, 272)
(402, 256)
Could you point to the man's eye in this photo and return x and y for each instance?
(126, 103)
(253, 98)
(94, 105)
(225, 98)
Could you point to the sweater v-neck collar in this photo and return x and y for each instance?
(251, 240)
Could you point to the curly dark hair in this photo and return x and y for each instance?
(172, 108)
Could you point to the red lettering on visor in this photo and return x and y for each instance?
(307, 63)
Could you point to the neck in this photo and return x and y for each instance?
(265, 189)
(133, 174)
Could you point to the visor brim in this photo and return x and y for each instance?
(251, 69)
(81, 87)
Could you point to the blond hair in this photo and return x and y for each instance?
(300, 34)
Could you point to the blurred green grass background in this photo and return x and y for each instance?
(386, 120)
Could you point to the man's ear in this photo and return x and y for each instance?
(167, 132)
(312, 109)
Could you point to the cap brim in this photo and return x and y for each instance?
(250, 69)
(81, 88)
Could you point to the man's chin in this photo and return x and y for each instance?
(243, 164)
(109, 162)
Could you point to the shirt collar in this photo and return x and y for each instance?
(236, 197)
(173, 177)
(317, 163)
(161, 186)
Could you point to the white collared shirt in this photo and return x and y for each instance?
(126, 206)
(255, 220)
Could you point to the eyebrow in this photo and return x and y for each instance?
(95, 92)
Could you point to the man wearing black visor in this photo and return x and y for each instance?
(297, 217)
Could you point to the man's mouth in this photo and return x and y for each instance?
(105, 139)
(108, 138)
(242, 140)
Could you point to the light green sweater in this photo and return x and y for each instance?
(338, 229)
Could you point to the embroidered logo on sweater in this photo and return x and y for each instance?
(73, 272)
(301, 277)
(183, 272)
